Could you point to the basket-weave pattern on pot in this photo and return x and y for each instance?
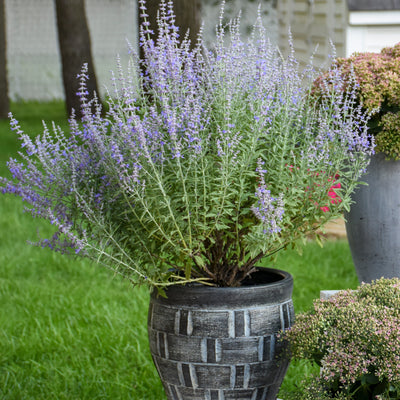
(222, 351)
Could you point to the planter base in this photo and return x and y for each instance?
(373, 223)
(220, 343)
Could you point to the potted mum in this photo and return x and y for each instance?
(355, 338)
(206, 162)
(373, 223)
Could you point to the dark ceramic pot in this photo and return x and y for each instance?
(373, 223)
(212, 343)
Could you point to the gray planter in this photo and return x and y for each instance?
(373, 223)
(220, 343)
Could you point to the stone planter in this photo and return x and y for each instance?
(373, 223)
(213, 343)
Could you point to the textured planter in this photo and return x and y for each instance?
(373, 223)
(220, 343)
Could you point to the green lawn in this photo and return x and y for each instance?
(70, 330)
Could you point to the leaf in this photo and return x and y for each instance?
(380, 388)
(221, 226)
(318, 239)
(370, 379)
(199, 261)
(161, 292)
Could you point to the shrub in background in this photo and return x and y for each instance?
(378, 80)
(355, 338)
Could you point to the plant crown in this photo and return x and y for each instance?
(206, 161)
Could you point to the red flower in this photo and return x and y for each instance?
(334, 197)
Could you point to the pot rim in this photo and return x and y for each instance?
(280, 289)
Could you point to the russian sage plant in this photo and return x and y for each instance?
(206, 161)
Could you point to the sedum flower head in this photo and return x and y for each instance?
(355, 338)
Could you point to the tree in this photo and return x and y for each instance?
(4, 100)
(75, 48)
(187, 13)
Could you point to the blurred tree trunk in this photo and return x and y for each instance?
(75, 49)
(188, 17)
(4, 100)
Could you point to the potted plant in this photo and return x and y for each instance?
(354, 338)
(206, 162)
(373, 223)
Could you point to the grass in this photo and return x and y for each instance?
(70, 330)
(67, 329)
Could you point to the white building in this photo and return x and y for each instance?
(34, 69)
(372, 25)
(352, 25)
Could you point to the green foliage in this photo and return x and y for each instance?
(388, 139)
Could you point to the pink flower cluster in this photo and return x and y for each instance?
(355, 338)
(334, 198)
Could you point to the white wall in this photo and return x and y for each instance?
(370, 31)
(248, 10)
(34, 69)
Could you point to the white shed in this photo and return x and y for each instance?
(372, 25)
(351, 25)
